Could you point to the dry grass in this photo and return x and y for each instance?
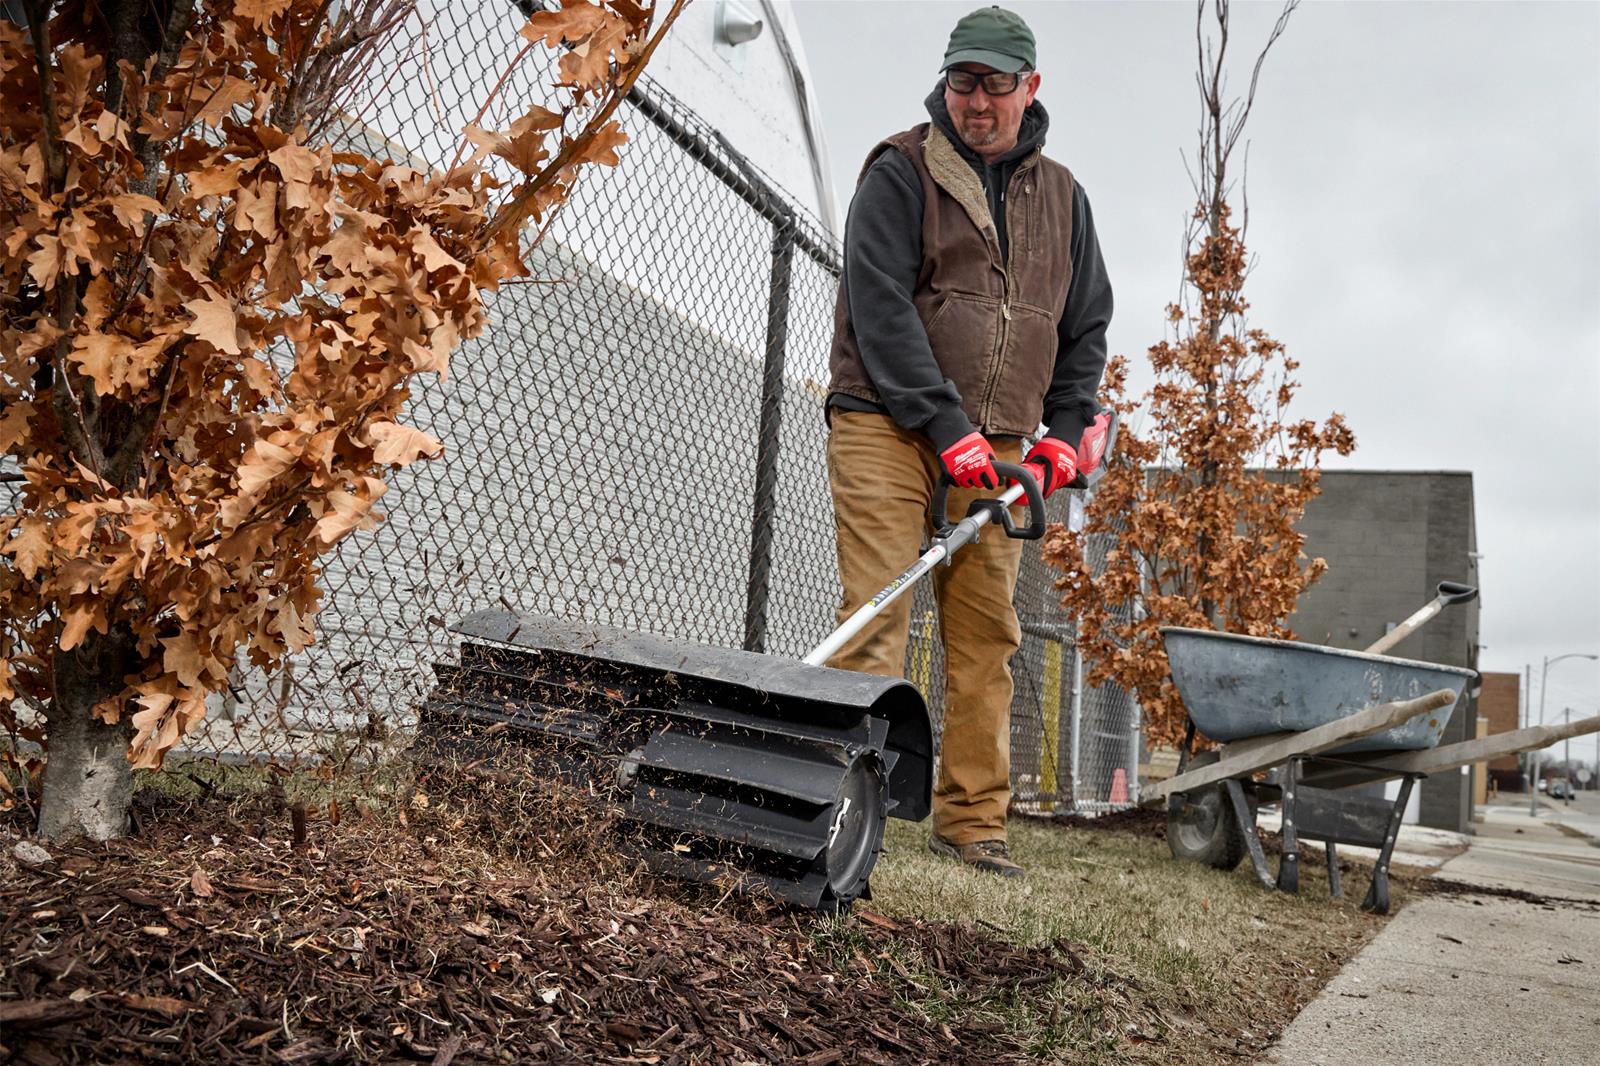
(1220, 964)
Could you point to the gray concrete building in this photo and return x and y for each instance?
(1390, 537)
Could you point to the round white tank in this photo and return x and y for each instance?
(757, 92)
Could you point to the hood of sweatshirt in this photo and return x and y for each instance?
(1035, 124)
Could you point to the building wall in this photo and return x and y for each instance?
(1501, 703)
(1389, 538)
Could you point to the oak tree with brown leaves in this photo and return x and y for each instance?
(1196, 515)
(211, 314)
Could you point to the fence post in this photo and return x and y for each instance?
(1133, 753)
(767, 444)
(1077, 718)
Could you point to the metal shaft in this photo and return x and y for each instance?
(963, 533)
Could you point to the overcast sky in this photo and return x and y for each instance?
(1424, 194)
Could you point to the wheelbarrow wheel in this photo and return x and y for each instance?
(1201, 826)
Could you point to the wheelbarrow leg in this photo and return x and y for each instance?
(1289, 864)
(1186, 749)
(1334, 890)
(1377, 900)
(1247, 827)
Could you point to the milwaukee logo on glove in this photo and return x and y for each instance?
(969, 460)
(970, 463)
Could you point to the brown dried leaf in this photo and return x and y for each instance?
(603, 147)
(31, 547)
(77, 620)
(401, 445)
(261, 464)
(215, 180)
(108, 710)
(131, 208)
(345, 511)
(259, 12)
(215, 323)
(103, 357)
(576, 20)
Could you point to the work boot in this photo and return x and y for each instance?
(990, 856)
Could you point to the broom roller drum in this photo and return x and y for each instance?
(721, 762)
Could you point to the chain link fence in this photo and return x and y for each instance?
(636, 441)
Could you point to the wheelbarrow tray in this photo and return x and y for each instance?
(1236, 687)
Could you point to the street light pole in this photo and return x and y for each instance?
(1544, 676)
(1566, 752)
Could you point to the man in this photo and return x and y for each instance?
(974, 302)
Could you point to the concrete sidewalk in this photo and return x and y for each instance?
(1474, 979)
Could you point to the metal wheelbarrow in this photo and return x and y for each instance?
(1322, 720)
(1277, 704)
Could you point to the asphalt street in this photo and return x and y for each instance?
(1582, 813)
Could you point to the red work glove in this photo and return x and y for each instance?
(1092, 447)
(970, 463)
(1059, 464)
(1054, 463)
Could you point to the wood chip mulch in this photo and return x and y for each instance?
(211, 939)
(1147, 822)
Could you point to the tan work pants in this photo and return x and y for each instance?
(883, 479)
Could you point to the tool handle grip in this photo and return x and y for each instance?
(997, 509)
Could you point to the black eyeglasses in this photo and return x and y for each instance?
(964, 82)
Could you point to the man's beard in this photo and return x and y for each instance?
(982, 137)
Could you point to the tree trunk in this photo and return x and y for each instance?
(88, 784)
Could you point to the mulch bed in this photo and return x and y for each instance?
(1149, 822)
(216, 936)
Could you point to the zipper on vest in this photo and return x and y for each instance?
(997, 360)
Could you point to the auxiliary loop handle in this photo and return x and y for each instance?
(998, 512)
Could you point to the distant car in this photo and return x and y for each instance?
(1560, 790)
(1544, 786)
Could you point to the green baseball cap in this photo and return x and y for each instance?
(994, 37)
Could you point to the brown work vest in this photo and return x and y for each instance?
(992, 324)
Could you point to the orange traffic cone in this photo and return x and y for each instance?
(1119, 786)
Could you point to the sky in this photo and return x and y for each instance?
(1423, 188)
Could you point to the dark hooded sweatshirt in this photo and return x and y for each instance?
(882, 259)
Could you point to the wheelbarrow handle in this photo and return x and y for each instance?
(999, 508)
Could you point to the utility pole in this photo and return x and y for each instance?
(1525, 712)
(1544, 678)
(1525, 718)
